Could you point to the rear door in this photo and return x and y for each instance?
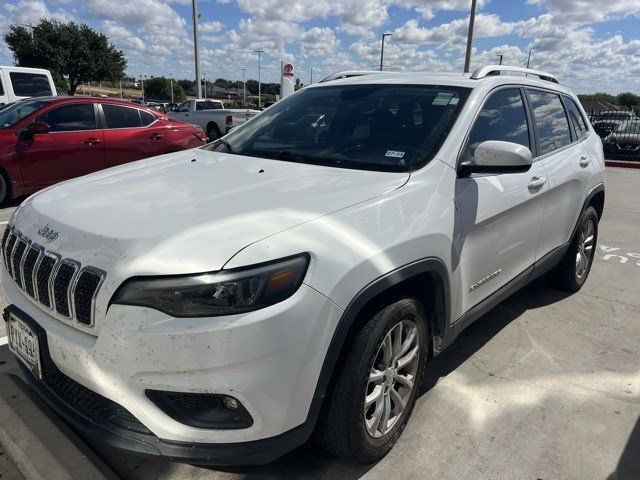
(130, 134)
(501, 214)
(72, 148)
(567, 162)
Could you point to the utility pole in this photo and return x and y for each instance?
(244, 85)
(196, 15)
(259, 52)
(472, 19)
(500, 59)
(384, 35)
(142, 77)
(120, 89)
(311, 77)
(171, 80)
(529, 59)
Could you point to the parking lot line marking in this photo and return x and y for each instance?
(3, 341)
(4, 223)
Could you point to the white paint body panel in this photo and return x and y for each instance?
(198, 211)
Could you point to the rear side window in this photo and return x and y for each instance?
(576, 118)
(147, 118)
(208, 106)
(503, 117)
(30, 84)
(69, 118)
(551, 121)
(1, 88)
(121, 117)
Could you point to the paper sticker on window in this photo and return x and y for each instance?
(394, 154)
(454, 101)
(442, 98)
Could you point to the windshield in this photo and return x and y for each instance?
(632, 128)
(374, 127)
(15, 112)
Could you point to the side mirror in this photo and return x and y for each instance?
(36, 128)
(495, 156)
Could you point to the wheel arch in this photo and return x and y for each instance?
(596, 200)
(214, 124)
(426, 279)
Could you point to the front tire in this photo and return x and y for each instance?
(376, 390)
(572, 271)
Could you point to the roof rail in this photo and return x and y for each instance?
(489, 70)
(349, 73)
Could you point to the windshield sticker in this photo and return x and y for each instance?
(442, 98)
(394, 154)
(454, 101)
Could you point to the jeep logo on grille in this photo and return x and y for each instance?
(48, 233)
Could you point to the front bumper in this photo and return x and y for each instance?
(269, 360)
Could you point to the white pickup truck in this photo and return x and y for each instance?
(211, 116)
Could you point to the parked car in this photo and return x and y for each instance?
(46, 140)
(605, 122)
(624, 141)
(17, 83)
(220, 305)
(212, 117)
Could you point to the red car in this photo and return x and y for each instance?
(47, 140)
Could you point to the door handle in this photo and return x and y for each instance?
(585, 161)
(536, 182)
(156, 136)
(91, 141)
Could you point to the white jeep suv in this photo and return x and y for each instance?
(221, 305)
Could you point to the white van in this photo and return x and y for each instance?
(17, 83)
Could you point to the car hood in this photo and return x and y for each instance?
(189, 211)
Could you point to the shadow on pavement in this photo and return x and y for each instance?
(629, 464)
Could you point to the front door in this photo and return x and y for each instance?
(72, 148)
(501, 214)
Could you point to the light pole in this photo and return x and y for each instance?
(196, 15)
(171, 80)
(311, 77)
(120, 89)
(142, 77)
(529, 59)
(244, 85)
(500, 59)
(472, 19)
(384, 35)
(259, 52)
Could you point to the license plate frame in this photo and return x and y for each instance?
(25, 344)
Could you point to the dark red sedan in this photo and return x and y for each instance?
(47, 140)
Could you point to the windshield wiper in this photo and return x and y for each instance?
(289, 156)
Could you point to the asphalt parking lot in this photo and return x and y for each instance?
(545, 386)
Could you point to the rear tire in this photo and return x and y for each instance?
(213, 132)
(573, 270)
(381, 374)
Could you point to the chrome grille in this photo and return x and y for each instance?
(61, 285)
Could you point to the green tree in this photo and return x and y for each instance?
(159, 88)
(72, 50)
(629, 100)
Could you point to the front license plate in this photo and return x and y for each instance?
(23, 342)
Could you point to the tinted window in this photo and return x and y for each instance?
(1, 88)
(185, 107)
(208, 106)
(76, 116)
(503, 118)
(378, 127)
(30, 84)
(147, 118)
(551, 120)
(121, 117)
(576, 117)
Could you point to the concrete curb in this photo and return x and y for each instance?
(622, 164)
(40, 445)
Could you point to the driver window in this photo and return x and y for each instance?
(68, 118)
(503, 117)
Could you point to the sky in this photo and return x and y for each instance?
(590, 45)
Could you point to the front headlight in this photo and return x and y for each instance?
(226, 292)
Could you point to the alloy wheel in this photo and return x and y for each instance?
(392, 378)
(585, 248)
